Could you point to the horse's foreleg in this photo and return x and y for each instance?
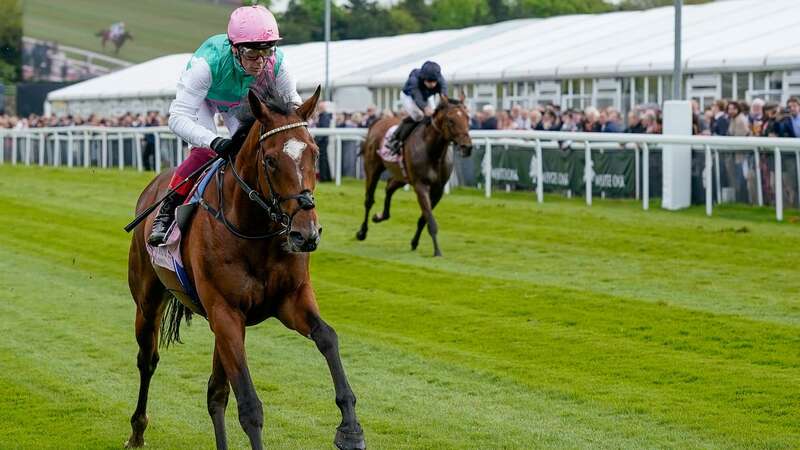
(218, 392)
(424, 198)
(373, 176)
(392, 186)
(302, 314)
(147, 325)
(228, 327)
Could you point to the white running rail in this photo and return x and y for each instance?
(89, 146)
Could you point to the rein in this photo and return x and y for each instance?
(272, 205)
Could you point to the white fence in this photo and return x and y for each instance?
(92, 146)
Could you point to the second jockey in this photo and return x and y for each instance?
(217, 80)
(422, 83)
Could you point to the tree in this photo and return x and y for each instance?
(627, 5)
(547, 8)
(10, 40)
(458, 13)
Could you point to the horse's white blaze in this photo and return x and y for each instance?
(294, 149)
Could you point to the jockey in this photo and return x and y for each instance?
(216, 80)
(116, 30)
(422, 83)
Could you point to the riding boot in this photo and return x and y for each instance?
(164, 219)
(395, 144)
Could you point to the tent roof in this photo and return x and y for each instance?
(719, 36)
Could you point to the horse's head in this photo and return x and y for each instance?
(452, 118)
(286, 156)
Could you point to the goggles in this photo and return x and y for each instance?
(254, 54)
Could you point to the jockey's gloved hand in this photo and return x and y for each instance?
(222, 147)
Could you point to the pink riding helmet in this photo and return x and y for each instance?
(252, 24)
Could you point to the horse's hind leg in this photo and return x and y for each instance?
(218, 392)
(301, 313)
(391, 187)
(148, 309)
(373, 176)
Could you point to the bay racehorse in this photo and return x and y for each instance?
(246, 251)
(118, 41)
(427, 159)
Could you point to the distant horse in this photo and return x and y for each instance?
(118, 41)
(247, 256)
(427, 159)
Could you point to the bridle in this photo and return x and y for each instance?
(271, 205)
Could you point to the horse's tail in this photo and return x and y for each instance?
(171, 318)
(100, 33)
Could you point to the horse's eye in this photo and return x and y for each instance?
(270, 162)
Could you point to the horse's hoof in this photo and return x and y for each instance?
(134, 442)
(414, 245)
(361, 235)
(349, 440)
(437, 254)
(379, 218)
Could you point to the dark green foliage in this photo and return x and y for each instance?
(10, 40)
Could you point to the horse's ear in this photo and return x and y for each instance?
(461, 96)
(443, 98)
(307, 108)
(259, 110)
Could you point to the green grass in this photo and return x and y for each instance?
(544, 326)
(158, 27)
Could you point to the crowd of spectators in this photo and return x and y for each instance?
(723, 118)
(151, 119)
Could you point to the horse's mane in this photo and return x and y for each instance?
(268, 95)
(441, 105)
(266, 92)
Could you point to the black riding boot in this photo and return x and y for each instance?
(395, 144)
(164, 219)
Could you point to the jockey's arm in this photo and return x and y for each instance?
(286, 85)
(184, 118)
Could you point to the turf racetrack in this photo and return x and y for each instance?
(544, 326)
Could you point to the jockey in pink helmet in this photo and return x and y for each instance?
(216, 80)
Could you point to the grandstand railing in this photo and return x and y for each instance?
(87, 146)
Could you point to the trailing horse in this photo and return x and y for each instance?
(118, 41)
(247, 257)
(427, 162)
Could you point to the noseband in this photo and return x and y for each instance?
(272, 205)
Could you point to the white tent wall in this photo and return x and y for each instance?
(755, 38)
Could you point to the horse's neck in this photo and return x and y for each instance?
(435, 143)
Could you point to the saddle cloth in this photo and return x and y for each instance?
(386, 154)
(168, 254)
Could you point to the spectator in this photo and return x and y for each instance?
(489, 121)
(504, 121)
(516, 118)
(591, 122)
(789, 124)
(549, 121)
(738, 123)
(756, 116)
(701, 125)
(324, 119)
(770, 126)
(720, 123)
(370, 117)
(634, 123)
(613, 122)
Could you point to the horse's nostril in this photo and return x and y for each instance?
(297, 238)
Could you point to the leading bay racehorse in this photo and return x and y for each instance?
(427, 159)
(248, 262)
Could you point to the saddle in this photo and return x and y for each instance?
(168, 255)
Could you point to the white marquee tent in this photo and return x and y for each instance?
(758, 39)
